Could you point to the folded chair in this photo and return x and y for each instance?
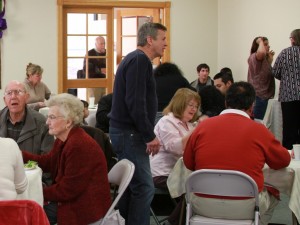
(121, 175)
(228, 183)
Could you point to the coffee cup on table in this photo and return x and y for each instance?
(296, 149)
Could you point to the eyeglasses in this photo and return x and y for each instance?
(16, 92)
(52, 117)
(193, 106)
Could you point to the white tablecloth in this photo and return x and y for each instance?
(273, 118)
(286, 180)
(91, 119)
(35, 188)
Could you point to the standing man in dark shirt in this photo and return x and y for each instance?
(131, 130)
(96, 67)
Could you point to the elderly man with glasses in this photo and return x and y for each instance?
(26, 126)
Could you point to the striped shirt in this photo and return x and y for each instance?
(287, 70)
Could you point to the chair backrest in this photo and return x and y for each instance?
(91, 119)
(80, 74)
(25, 212)
(121, 175)
(103, 140)
(222, 183)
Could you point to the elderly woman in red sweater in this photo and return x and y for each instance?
(80, 192)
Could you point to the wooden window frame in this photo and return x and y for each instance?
(62, 5)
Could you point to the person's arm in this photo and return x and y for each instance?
(36, 105)
(278, 66)
(277, 157)
(270, 56)
(47, 92)
(185, 139)
(171, 136)
(261, 51)
(20, 180)
(42, 160)
(153, 147)
(189, 153)
(79, 166)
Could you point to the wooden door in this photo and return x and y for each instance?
(128, 23)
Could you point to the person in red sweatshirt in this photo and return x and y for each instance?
(232, 141)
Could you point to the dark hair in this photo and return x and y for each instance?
(85, 103)
(166, 69)
(212, 101)
(240, 95)
(148, 29)
(225, 77)
(254, 46)
(226, 70)
(202, 65)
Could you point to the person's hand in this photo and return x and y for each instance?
(202, 118)
(258, 40)
(270, 56)
(292, 154)
(153, 147)
(271, 53)
(41, 104)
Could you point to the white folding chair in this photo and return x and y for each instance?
(228, 183)
(121, 175)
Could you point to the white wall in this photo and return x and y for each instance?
(31, 36)
(218, 32)
(194, 35)
(239, 22)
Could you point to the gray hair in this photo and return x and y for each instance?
(70, 107)
(148, 29)
(296, 36)
(25, 88)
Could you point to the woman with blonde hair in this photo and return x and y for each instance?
(173, 131)
(37, 90)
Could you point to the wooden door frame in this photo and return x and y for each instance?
(63, 4)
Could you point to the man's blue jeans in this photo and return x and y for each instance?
(134, 206)
(260, 108)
